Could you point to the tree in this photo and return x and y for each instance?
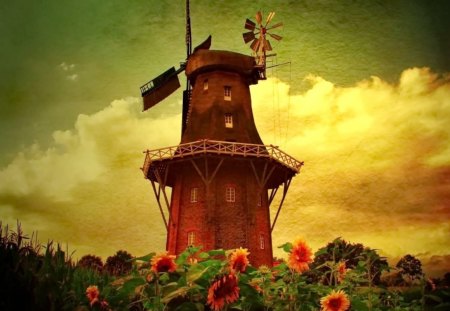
(354, 255)
(410, 267)
(119, 264)
(91, 262)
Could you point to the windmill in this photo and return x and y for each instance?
(223, 179)
(258, 37)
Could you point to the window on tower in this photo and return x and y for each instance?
(191, 238)
(230, 194)
(261, 241)
(228, 120)
(227, 92)
(194, 195)
(259, 199)
(205, 85)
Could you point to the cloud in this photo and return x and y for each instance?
(71, 190)
(377, 169)
(377, 161)
(73, 77)
(68, 68)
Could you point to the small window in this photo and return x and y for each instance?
(205, 85)
(191, 238)
(260, 200)
(194, 195)
(228, 120)
(227, 92)
(230, 194)
(261, 241)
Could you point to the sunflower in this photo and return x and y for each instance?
(163, 263)
(341, 271)
(336, 301)
(223, 290)
(92, 294)
(239, 260)
(300, 256)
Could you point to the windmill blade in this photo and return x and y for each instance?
(276, 37)
(259, 17)
(255, 44)
(248, 36)
(250, 25)
(266, 45)
(275, 26)
(269, 17)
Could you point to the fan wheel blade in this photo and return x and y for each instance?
(248, 36)
(267, 46)
(269, 17)
(259, 17)
(250, 25)
(275, 26)
(276, 37)
(255, 44)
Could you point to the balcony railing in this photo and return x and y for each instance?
(221, 148)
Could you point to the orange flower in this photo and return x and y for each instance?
(336, 301)
(300, 256)
(163, 263)
(223, 290)
(92, 294)
(239, 260)
(341, 271)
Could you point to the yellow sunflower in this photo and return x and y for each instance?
(223, 290)
(163, 263)
(335, 301)
(239, 259)
(300, 256)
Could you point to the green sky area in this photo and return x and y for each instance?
(116, 46)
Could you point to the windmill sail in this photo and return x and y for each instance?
(160, 87)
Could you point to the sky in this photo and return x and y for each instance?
(362, 97)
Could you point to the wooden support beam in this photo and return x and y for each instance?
(286, 185)
(273, 192)
(207, 181)
(159, 204)
(162, 184)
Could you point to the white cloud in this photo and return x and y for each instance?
(376, 157)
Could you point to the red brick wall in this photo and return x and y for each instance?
(225, 224)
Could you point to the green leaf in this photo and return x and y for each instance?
(147, 257)
(287, 247)
(216, 252)
(321, 251)
(179, 292)
(194, 274)
(203, 255)
(358, 304)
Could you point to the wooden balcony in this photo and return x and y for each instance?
(212, 147)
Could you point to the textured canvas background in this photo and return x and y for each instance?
(365, 102)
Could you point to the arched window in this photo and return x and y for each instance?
(228, 120)
(191, 238)
(262, 242)
(230, 194)
(194, 195)
(227, 92)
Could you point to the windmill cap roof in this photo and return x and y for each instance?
(212, 60)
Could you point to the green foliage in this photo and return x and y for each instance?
(34, 277)
(410, 267)
(119, 264)
(91, 262)
(355, 256)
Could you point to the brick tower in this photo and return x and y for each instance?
(223, 179)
